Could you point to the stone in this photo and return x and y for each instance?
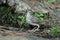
(12, 2)
(22, 7)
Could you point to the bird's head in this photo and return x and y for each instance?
(30, 12)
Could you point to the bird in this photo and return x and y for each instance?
(32, 20)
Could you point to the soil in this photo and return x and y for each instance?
(14, 35)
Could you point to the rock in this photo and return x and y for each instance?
(58, 1)
(22, 7)
(12, 2)
(36, 6)
(18, 5)
(57, 12)
(25, 5)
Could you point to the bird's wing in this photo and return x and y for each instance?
(35, 19)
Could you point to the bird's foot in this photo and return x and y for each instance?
(33, 30)
(36, 30)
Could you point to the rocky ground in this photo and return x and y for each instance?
(14, 35)
(35, 6)
(24, 36)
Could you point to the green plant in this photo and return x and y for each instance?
(2, 8)
(11, 18)
(54, 30)
(22, 19)
(51, 1)
(39, 15)
(8, 17)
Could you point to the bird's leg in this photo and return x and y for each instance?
(36, 29)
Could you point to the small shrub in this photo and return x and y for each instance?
(39, 15)
(51, 1)
(2, 8)
(22, 19)
(54, 31)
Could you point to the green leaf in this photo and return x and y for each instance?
(41, 14)
(54, 31)
(37, 15)
(19, 17)
(23, 20)
(51, 1)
